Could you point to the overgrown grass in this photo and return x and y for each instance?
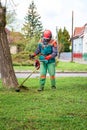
(62, 109)
(61, 66)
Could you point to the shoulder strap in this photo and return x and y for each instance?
(53, 43)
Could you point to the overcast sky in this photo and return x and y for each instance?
(53, 12)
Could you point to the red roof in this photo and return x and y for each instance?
(79, 31)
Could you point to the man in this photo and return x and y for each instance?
(47, 49)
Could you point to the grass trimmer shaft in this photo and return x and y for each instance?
(21, 85)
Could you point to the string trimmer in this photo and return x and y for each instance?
(37, 66)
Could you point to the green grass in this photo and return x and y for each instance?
(61, 66)
(21, 68)
(62, 109)
(71, 66)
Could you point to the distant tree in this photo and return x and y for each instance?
(66, 40)
(63, 40)
(60, 45)
(31, 47)
(10, 19)
(32, 26)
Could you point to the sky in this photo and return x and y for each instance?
(54, 13)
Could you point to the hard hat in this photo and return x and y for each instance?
(47, 34)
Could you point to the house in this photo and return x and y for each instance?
(14, 38)
(80, 43)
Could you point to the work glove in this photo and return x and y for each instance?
(42, 59)
(48, 57)
(31, 56)
(37, 64)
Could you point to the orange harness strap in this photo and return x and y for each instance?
(53, 43)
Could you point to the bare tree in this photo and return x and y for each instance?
(8, 77)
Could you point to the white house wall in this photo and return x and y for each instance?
(85, 41)
(13, 49)
(78, 45)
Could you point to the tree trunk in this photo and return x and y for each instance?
(8, 77)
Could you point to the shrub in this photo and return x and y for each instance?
(22, 58)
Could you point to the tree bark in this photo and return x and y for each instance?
(8, 77)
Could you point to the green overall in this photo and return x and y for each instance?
(46, 65)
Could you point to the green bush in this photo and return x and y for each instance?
(32, 45)
(16, 64)
(22, 58)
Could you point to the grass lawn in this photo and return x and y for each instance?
(62, 109)
(61, 66)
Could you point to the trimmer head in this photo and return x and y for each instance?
(24, 87)
(17, 89)
(21, 87)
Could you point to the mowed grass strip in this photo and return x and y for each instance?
(62, 109)
(61, 66)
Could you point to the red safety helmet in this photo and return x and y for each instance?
(47, 34)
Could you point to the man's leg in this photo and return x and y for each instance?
(51, 71)
(43, 71)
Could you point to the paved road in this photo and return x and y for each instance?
(58, 74)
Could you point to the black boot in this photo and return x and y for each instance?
(41, 89)
(53, 87)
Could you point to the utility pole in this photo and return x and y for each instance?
(72, 38)
(57, 59)
(57, 40)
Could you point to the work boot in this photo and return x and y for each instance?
(53, 87)
(41, 89)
